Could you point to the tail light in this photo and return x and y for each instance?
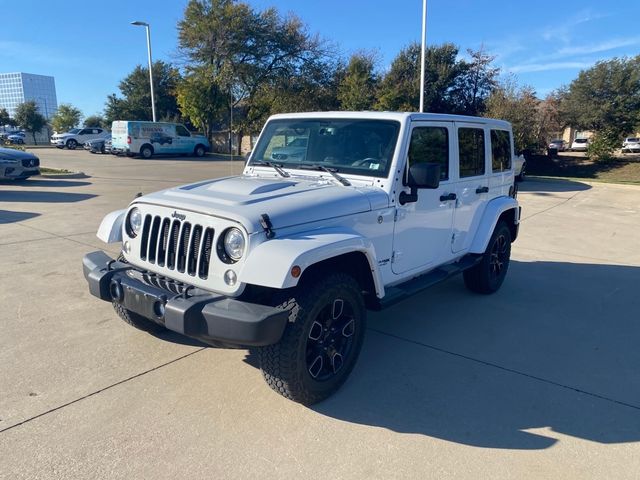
(128, 139)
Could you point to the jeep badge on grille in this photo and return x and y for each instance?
(179, 216)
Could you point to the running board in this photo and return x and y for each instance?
(404, 290)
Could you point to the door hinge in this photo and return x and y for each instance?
(453, 238)
(395, 215)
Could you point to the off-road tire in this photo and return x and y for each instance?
(134, 319)
(285, 364)
(483, 278)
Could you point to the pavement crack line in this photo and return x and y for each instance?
(552, 207)
(108, 387)
(506, 369)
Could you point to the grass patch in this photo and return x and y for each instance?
(619, 169)
(55, 171)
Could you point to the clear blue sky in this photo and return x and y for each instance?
(89, 46)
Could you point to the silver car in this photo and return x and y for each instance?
(631, 144)
(18, 165)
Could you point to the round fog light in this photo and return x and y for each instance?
(159, 308)
(115, 289)
(230, 278)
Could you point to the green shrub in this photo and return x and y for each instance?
(602, 145)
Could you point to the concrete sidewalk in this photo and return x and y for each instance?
(538, 381)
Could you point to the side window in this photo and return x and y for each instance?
(500, 150)
(85, 131)
(430, 145)
(471, 148)
(182, 132)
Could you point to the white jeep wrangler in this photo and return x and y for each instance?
(289, 256)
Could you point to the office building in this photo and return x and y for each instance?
(17, 88)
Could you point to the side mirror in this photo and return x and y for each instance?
(424, 175)
(421, 175)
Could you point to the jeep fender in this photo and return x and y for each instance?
(110, 229)
(492, 212)
(269, 264)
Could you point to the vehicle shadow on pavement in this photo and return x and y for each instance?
(55, 183)
(39, 196)
(7, 216)
(553, 353)
(552, 186)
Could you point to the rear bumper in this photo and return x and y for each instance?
(183, 309)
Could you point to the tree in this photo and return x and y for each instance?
(200, 100)
(606, 99)
(66, 118)
(358, 82)
(29, 118)
(95, 121)
(135, 103)
(477, 80)
(5, 118)
(606, 96)
(518, 105)
(249, 54)
(400, 87)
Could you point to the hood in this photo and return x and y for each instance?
(11, 154)
(287, 201)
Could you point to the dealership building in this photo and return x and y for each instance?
(17, 88)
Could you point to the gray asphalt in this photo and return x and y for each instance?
(537, 381)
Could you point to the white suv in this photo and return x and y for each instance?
(78, 136)
(289, 256)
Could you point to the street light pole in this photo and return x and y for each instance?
(423, 53)
(153, 102)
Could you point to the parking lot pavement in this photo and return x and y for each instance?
(537, 381)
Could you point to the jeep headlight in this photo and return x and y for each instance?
(234, 244)
(134, 222)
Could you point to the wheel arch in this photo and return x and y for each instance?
(110, 230)
(315, 254)
(502, 208)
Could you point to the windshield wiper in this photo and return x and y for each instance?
(275, 166)
(330, 171)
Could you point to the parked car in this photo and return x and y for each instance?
(519, 167)
(559, 144)
(631, 144)
(289, 256)
(18, 165)
(295, 149)
(151, 138)
(580, 145)
(77, 136)
(17, 138)
(99, 145)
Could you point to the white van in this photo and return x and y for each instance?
(149, 138)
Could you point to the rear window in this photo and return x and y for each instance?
(500, 150)
(633, 139)
(581, 140)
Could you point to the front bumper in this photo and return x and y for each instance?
(187, 310)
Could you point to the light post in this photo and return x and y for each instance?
(153, 102)
(422, 56)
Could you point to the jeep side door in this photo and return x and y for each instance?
(472, 186)
(422, 233)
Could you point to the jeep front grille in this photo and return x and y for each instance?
(176, 245)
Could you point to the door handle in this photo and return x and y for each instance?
(446, 198)
(480, 190)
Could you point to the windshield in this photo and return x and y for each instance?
(361, 147)
(74, 130)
